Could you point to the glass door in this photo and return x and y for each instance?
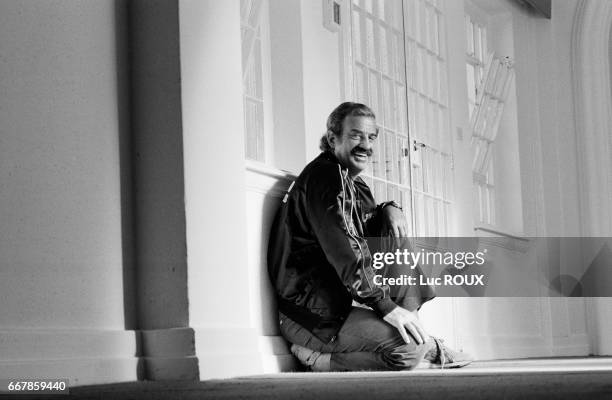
(398, 67)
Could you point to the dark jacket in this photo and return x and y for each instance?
(318, 259)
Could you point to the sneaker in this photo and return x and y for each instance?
(443, 357)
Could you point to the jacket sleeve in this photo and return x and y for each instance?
(328, 205)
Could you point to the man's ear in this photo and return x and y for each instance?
(331, 139)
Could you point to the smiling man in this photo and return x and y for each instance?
(319, 263)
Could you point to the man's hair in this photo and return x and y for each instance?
(336, 118)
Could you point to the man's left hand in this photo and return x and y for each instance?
(394, 222)
(407, 322)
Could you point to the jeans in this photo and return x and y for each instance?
(365, 342)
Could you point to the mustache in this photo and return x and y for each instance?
(362, 150)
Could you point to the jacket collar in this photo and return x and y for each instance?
(330, 156)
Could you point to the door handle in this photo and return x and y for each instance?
(418, 145)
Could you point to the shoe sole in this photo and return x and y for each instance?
(430, 365)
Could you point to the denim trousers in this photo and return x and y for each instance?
(365, 342)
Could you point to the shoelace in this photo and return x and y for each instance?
(441, 353)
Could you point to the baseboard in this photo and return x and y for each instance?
(225, 352)
(571, 346)
(170, 368)
(276, 356)
(84, 357)
(169, 354)
(212, 352)
(504, 347)
(92, 371)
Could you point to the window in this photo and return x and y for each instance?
(492, 92)
(397, 66)
(492, 109)
(476, 52)
(256, 78)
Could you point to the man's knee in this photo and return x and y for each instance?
(404, 356)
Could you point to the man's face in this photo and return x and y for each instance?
(354, 147)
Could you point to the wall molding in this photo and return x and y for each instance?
(85, 356)
(264, 169)
(267, 180)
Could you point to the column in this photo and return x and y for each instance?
(215, 206)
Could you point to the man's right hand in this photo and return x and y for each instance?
(407, 321)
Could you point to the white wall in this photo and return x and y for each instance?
(556, 120)
(305, 80)
(322, 78)
(61, 214)
(287, 65)
(62, 255)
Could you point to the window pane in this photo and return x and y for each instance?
(370, 46)
(436, 34)
(402, 123)
(375, 92)
(380, 193)
(419, 210)
(477, 44)
(391, 157)
(404, 172)
(469, 36)
(378, 157)
(361, 84)
(384, 51)
(393, 13)
(252, 73)
(400, 61)
(357, 53)
(389, 104)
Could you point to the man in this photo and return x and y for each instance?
(319, 262)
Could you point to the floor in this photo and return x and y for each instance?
(570, 378)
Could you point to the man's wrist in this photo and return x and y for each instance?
(391, 203)
(384, 306)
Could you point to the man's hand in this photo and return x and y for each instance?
(394, 222)
(407, 321)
